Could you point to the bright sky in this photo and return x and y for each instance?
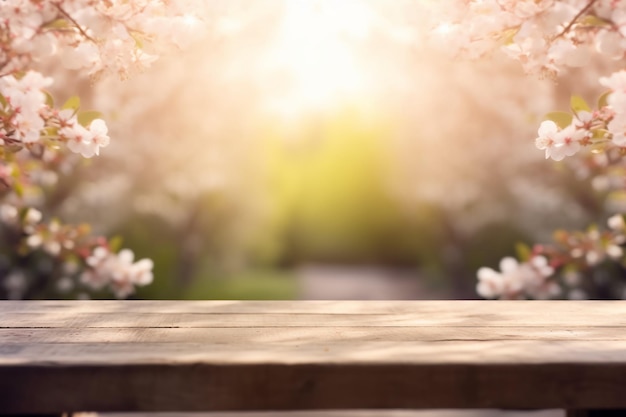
(314, 49)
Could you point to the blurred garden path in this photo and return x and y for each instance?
(335, 282)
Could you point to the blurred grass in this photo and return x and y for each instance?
(245, 285)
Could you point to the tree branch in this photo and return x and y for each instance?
(71, 19)
(578, 15)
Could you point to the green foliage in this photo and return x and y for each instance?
(489, 245)
(603, 99)
(58, 24)
(600, 133)
(150, 237)
(523, 251)
(115, 243)
(578, 104)
(593, 21)
(249, 284)
(18, 188)
(137, 38)
(86, 117)
(508, 36)
(335, 203)
(209, 280)
(49, 99)
(562, 119)
(72, 103)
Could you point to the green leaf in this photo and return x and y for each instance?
(603, 99)
(561, 118)
(18, 188)
(49, 99)
(57, 24)
(51, 131)
(509, 35)
(137, 38)
(524, 253)
(600, 133)
(577, 103)
(72, 103)
(115, 243)
(3, 101)
(86, 117)
(591, 20)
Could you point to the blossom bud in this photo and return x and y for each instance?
(614, 251)
(8, 213)
(617, 222)
(32, 216)
(34, 241)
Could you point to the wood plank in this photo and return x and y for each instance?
(317, 313)
(211, 356)
(204, 320)
(299, 335)
(520, 352)
(206, 386)
(460, 310)
(217, 307)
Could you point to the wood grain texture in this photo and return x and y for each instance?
(228, 355)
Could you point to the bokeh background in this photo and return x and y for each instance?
(318, 149)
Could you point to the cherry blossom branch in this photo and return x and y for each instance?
(71, 19)
(578, 15)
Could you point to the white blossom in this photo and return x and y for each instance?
(547, 138)
(118, 271)
(32, 216)
(517, 280)
(616, 222)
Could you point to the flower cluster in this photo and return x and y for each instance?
(548, 270)
(86, 141)
(565, 134)
(544, 36)
(548, 38)
(559, 143)
(27, 118)
(92, 36)
(118, 271)
(68, 249)
(518, 280)
(95, 38)
(616, 101)
(23, 108)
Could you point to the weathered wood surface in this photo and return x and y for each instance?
(228, 355)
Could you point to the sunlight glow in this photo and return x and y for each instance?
(190, 20)
(315, 53)
(443, 29)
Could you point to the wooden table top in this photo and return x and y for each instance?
(255, 355)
